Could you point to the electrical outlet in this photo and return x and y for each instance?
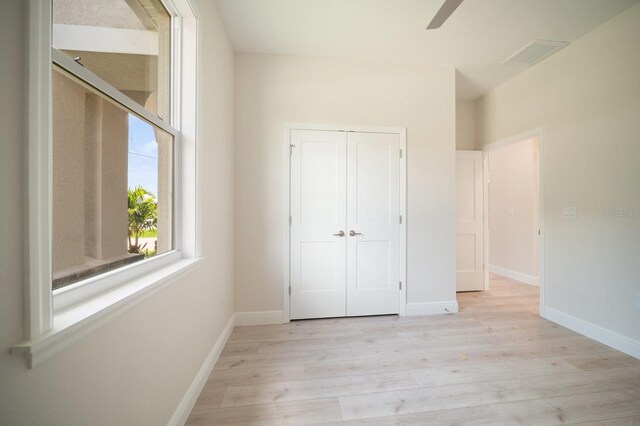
(569, 212)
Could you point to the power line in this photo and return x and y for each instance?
(142, 155)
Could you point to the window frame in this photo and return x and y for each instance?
(57, 318)
(75, 292)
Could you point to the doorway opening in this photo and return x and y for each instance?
(512, 228)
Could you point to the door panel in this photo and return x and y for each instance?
(319, 177)
(373, 213)
(469, 222)
(372, 265)
(319, 266)
(318, 210)
(372, 190)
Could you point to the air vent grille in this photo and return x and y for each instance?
(534, 51)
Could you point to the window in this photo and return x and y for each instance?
(112, 142)
(127, 43)
(111, 157)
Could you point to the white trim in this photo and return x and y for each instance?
(75, 293)
(541, 248)
(38, 302)
(533, 133)
(74, 323)
(402, 132)
(184, 114)
(595, 332)
(485, 219)
(403, 225)
(515, 275)
(106, 40)
(286, 267)
(190, 398)
(345, 128)
(432, 308)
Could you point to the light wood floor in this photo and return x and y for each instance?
(494, 363)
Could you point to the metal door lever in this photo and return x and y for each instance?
(339, 234)
(354, 233)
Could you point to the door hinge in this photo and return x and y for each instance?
(400, 285)
(400, 219)
(400, 153)
(290, 220)
(291, 149)
(289, 290)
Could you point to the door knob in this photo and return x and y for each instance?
(339, 234)
(354, 233)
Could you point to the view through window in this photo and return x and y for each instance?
(112, 168)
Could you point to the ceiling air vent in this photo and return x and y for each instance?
(534, 51)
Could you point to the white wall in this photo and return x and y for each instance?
(513, 209)
(135, 369)
(273, 90)
(587, 99)
(465, 125)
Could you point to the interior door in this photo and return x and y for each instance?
(469, 221)
(373, 223)
(318, 213)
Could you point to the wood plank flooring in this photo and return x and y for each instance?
(496, 362)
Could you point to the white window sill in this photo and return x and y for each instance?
(73, 323)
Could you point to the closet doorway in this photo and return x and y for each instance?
(346, 230)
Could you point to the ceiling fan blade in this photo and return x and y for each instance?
(443, 14)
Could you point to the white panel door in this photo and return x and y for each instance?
(373, 223)
(469, 223)
(318, 213)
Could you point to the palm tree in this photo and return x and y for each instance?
(143, 216)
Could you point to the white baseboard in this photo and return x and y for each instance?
(515, 275)
(592, 331)
(259, 318)
(181, 414)
(432, 308)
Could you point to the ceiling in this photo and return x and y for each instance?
(475, 40)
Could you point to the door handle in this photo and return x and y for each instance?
(339, 234)
(354, 233)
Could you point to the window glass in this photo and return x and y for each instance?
(112, 184)
(125, 42)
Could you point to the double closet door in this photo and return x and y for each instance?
(345, 224)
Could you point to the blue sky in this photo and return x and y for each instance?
(143, 155)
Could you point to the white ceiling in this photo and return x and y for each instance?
(476, 39)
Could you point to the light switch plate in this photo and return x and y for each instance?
(569, 212)
(637, 301)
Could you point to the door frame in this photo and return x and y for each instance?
(402, 133)
(533, 133)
